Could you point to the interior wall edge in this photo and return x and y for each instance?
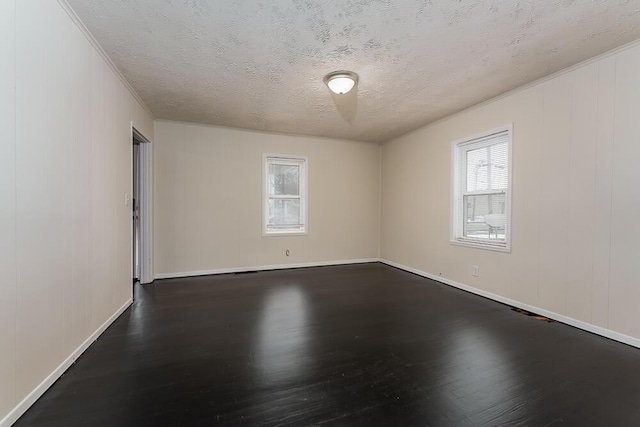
(264, 268)
(265, 132)
(588, 327)
(35, 394)
(380, 203)
(92, 40)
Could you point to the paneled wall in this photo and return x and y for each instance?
(65, 167)
(576, 202)
(208, 199)
(7, 209)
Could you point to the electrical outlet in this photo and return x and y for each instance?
(476, 271)
(287, 252)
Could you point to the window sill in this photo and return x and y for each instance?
(284, 233)
(480, 245)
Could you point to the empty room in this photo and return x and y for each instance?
(305, 212)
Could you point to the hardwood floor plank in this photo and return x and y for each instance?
(346, 345)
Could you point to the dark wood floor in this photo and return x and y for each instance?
(349, 345)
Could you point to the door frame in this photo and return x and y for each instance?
(145, 166)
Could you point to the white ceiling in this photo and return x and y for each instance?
(259, 64)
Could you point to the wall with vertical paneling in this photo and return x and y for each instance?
(208, 200)
(576, 200)
(7, 209)
(65, 167)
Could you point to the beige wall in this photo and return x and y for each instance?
(7, 210)
(576, 200)
(208, 199)
(65, 166)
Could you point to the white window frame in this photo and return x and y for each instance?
(458, 169)
(282, 159)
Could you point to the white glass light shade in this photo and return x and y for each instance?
(341, 82)
(341, 85)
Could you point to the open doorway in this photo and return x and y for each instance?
(141, 208)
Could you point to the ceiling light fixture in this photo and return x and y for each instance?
(341, 82)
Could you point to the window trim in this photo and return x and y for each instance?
(303, 161)
(456, 216)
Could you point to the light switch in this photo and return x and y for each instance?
(127, 199)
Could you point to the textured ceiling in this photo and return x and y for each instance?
(259, 64)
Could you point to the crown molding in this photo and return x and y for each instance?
(92, 40)
(524, 87)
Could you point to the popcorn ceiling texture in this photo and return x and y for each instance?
(259, 64)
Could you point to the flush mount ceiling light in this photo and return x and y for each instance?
(341, 82)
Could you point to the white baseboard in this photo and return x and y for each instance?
(262, 268)
(635, 342)
(26, 403)
(22, 407)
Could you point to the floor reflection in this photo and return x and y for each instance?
(350, 345)
(144, 296)
(478, 379)
(282, 345)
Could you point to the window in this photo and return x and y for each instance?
(285, 195)
(481, 201)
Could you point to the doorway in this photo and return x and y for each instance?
(141, 208)
(135, 208)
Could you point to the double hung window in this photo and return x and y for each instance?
(482, 191)
(285, 195)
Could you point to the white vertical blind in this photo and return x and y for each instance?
(482, 190)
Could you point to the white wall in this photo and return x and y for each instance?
(7, 210)
(208, 199)
(65, 166)
(576, 202)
